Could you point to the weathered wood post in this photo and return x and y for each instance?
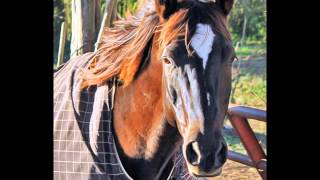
(63, 34)
(107, 19)
(86, 20)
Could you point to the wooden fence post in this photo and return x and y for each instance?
(86, 20)
(63, 34)
(107, 19)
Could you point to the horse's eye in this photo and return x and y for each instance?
(166, 60)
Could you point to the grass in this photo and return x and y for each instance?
(234, 143)
(233, 140)
(249, 90)
(250, 50)
(249, 81)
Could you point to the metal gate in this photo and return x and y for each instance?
(238, 116)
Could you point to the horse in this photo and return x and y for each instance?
(171, 70)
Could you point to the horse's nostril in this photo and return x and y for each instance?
(193, 153)
(221, 155)
(207, 159)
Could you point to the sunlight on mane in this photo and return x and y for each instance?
(123, 45)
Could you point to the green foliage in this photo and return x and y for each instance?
(126, 5)
(257, 50)
(255, 11)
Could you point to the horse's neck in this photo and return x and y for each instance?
(145, 139)
(138, 112)
(157, 167)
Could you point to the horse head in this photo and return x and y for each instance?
(197, 55)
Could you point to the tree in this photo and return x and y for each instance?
(254, 12)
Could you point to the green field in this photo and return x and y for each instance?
(249, 90)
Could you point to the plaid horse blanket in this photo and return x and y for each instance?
(84, 147)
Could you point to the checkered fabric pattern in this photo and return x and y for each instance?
(84, 147)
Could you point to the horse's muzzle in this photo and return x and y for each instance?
(203, 162)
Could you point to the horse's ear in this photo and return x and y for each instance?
(165, 8)
(226, 5)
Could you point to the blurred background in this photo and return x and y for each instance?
(247, 24)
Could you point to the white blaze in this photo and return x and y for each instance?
(189, 98)
(202, 42)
